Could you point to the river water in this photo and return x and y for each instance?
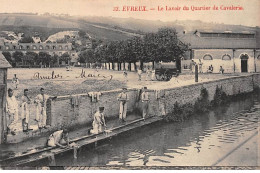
(208, 139)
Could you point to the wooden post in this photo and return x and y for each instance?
(51, 160)
(4, 65)
(3, 91)
(75, 152)
(196, 73)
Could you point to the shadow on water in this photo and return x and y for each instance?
(135, 147)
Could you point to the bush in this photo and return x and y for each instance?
(180, 113)
(202, 104)
(220, 97)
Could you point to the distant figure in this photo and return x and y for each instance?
(139, 72)
(148, 74)
(25, 113)
(145, 102)
(210, 69)
(15, 81)
(68, 68)
(125, 75)
(221, 70)
(11, 112)
(200, 66)
(99, 123)
(192, 65)
(41, 101)
(122, 98)
(153, 74)
(59, 138)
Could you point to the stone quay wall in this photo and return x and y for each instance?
(63, 111)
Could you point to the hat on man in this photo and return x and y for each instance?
(145, 87)
(101, 108)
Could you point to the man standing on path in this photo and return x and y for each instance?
(145, 102)
(139, 72)
(125, 75)
(148, 74)
(25, 113)
(12, 112)
(15, 81)
(99, 122)
(122, 98)
(200, 66)
(41, 101)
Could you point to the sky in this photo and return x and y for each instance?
(250, 15)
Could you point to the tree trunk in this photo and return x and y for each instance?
(135, 66)
(113, 66)
(142, 65)
(124, 66)
(153, 64)
(129, 66)
(178, 64)
(118, 66)
(109, 67)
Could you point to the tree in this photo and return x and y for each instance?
(82, 34)
(26, 39)
(31, 57)
(18, 56)
(8, 57)
(44, 58)
(65, 57)
(170, 48)
(54, 59)
(96, 43)
(81, 58)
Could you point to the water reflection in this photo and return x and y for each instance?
(199, 141)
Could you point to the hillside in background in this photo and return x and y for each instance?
(105, 28)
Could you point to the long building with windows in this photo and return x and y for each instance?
(51, 48)
(234, 51)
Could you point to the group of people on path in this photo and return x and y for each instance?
(99, 123)
(209, 70)
(12, 111)
(149, 74)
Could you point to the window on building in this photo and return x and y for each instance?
(226, 57)
(40, 47)
(6, 47)
(47, 47)
(20, 47)
(14, 47)
(53, 47)
(60, 47)
(27, 47)
(34, 47)
(66, 47)
(207, 57)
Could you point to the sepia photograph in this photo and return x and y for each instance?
(129, 84)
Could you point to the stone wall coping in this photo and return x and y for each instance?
(207, 82)
(153, 90)
(86, 94)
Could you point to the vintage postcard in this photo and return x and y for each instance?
(129, 84)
